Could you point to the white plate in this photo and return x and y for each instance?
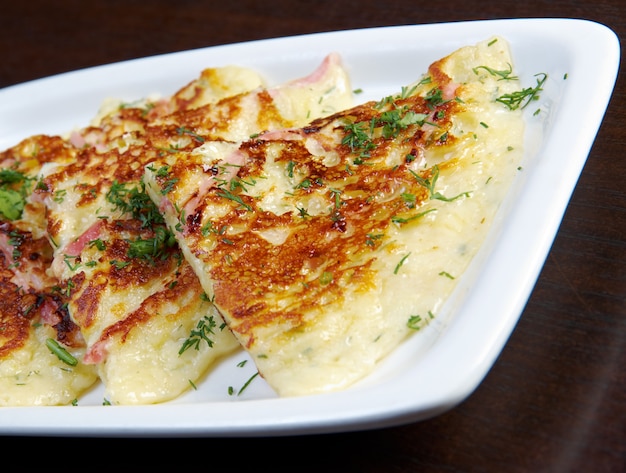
(437, 368)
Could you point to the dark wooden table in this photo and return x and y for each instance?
(555, 401)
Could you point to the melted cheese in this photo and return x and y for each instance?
(34, 376)
(145, 364)
(31, 309)
(321, 260)
(135, 314)
(324, 254)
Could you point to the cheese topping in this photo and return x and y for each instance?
(315, 234)
(39, 343)
(325, 246)
(130, 290)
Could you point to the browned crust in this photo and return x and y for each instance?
(14, 325)
(186, 282)
(28, 294)
(246, 268)
(87, 292)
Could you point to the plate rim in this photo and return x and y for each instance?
(340, 412)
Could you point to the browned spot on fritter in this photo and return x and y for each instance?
(21, 307)
(185, 282)
(270, 118)
(86, 305)
(32, 152)
(14, 324)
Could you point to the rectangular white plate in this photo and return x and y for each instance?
(437, 368)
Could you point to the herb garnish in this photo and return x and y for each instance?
(429, 184)
(15, 240)
(398, 220)
(231, 390)
(247, 383)
(186, 131)
(326, 278)
(402, 261)
(521, 98)
(63, 355)
(504, 74)
(14, 188)
(134, 201)
(151, 249)
(234, 197)
(203, 329)
(359, 136)
(415, 322)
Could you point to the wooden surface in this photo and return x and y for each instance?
(555, 401)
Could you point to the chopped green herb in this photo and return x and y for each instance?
(434, 98)
(72, 262)
(504, 74)
(152, 249)
(402, 261)
(407, 92)
(304, 184)
(409, 199)
(203, 330)
(429, 184)
(14, 188)
(370, 238)
(59, 196)
(396, 219)
(425, 80)
(521, 98)
(302, 212)
(11, 203)
(247, 383)
(326, 278)
(63, 355)
(416, 322)
(98, 243)
(119, 264)
(186, 131)
(235, 198)
(135, 201)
